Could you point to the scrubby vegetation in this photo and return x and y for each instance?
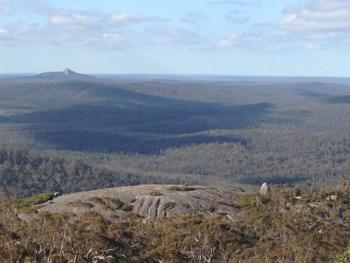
(181, 188)
(277, 227)
(35, 200)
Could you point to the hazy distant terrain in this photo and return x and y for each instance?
(222, 79)
(241, 93)
(205, 79)
(49, 77)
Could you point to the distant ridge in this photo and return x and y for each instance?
(56, 76)
(64, 75)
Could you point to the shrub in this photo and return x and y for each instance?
(58, 259)
(35, 200)
(126, 207)
(155, 193)
(181, 188)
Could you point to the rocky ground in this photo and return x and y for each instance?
(150, 201)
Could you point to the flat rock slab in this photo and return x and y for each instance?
(151, 201)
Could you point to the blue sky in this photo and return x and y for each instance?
(219, 37)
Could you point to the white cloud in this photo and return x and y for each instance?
(93, 29)
(36, 6)
(237, 19)
(276, 37)
(230, 2)
(20, 34)
(170, 34)
(70, 22)
(157, 19)
(193, 18)
(230, 41)
(4, 10)
(319, 15)
(127, 17)
(235, 11)
(276, 34)
(328, 5)
(312, 46)
(324, 36)
(321, 24)
(115, 40)
(80, 31)
(263, 24)
(291, 9)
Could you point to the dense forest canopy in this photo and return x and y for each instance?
(24, 173)
(243, 132)
(238, 132)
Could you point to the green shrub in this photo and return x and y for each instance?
(58, 259)
(181, 188)
(155, 193)
(235, 205)
(126, 207)
(35, 200)
(132, 200)
(28, 210)
(245, 201)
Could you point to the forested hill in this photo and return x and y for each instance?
(25, 173)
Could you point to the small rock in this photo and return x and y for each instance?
(264, 189)
(298, 207)
(334, 197)
(317, 205)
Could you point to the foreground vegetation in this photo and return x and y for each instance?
(278, 227)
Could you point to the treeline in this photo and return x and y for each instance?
(277, 228)
(24, 173)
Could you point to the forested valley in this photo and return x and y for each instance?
(238, 133)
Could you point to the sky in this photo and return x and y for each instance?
(215, 37)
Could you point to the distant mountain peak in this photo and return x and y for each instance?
(67, 72)
(55, 76)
